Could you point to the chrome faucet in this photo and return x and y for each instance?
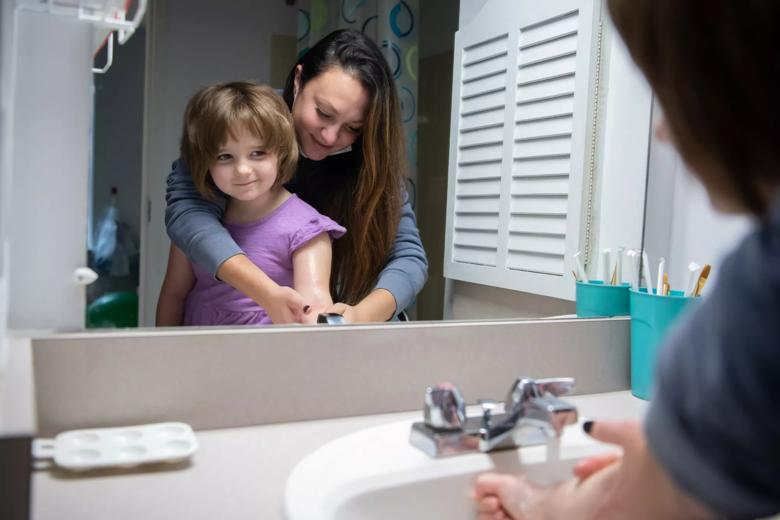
(532, 414)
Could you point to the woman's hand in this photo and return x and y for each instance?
(285, 305)
(378, 306)
(587, 467)
(350, 313)
(633, 485)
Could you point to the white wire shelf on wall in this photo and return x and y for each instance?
(110, 15)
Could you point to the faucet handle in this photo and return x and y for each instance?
(445, 408)
(557, 386)
(525, 388)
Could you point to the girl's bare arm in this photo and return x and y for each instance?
(179, 280)
(311, 265)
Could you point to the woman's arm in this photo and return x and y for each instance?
(193, 225)
(311, 274)
(177, 284)
(379, 305)
(193, 222)
(406, 270)
(402, 278)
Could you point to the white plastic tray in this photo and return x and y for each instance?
(127, 446)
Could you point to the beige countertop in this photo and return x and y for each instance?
(237, 473)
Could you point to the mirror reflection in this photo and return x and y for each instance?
(139, 108)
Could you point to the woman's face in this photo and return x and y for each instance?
(329, 112)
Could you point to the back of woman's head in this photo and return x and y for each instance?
(714, 67)
(219, 112)
(371, 213)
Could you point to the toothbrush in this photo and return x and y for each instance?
(633, 262)
(619, 267)
(705, 273)
(579, 268)
(694, 271)
(604, 264)
(646, 272)
(659, 285)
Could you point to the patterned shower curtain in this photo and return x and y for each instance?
(393, 25)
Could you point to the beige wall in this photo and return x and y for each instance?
(472, 301)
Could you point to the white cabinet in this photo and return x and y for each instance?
(50, 154)
(46, 125)
(529, 93)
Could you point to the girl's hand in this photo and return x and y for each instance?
(504, 497)
(285, 305)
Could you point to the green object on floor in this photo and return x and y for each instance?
(113, 310)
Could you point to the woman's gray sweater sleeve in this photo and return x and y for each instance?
(193, 223)
(406, 271)
(713, 422)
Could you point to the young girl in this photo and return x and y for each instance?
(239, 139)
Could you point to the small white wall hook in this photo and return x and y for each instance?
(84, 275)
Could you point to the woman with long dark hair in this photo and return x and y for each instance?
(347, 121)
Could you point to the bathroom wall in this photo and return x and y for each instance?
(7, 52)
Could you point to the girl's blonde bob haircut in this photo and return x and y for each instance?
(221, 111)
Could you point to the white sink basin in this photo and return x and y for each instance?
(376, 474)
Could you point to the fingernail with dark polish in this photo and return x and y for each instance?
(306, 309)
(587, 426)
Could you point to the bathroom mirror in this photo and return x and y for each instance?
(138, 106)
(680, 224)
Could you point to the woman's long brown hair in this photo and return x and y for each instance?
(370, 207)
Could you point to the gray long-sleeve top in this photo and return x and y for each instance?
(714, 421)
(193, 224)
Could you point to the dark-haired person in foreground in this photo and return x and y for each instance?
(710, 444)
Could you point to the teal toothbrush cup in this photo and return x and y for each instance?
(651, 318)
(597, 300)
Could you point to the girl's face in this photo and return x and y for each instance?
(329, 112)
(243, 169)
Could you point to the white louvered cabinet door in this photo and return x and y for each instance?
(521, 86)
(482, 100)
